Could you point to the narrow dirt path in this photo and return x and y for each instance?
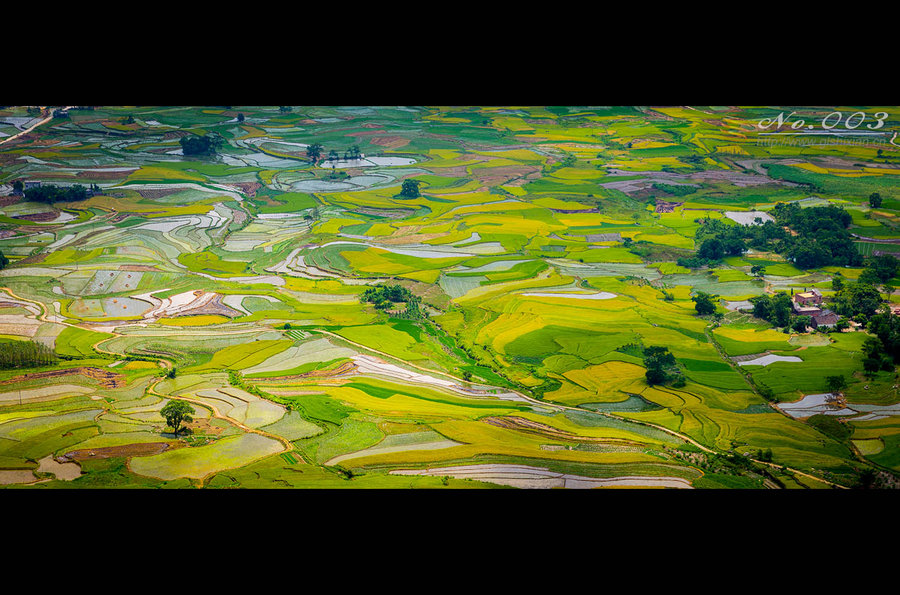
(30, 128)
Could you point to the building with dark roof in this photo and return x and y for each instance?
(824, 319)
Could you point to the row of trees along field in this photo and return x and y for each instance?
(50, 194)
(314, 153)
(25, 354)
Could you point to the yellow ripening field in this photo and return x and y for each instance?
(381, 229)
(608, 378)
(374, 260)
(333, 226)
(648, 164)
(512, 123)
(588, 219)
(578, 174)
(555, 203)
(516, 155)
(507, 328)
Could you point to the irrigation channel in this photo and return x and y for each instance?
(289, 447)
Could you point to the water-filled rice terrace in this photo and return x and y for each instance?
(429, 297)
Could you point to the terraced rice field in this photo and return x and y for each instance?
(489, 326)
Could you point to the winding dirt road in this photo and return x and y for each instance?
(32, 127)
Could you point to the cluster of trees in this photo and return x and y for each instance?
(314, 153)
(822, 240)
(704, 303)
(50, 194)
(25, 354)
(820, 237)
(3, 260)
(410, 189)
(858, 301)
(384, 296)
(879, 270)
(662, 367)
(201, 145)
(351, 153)
(775, 308)
(882, 351)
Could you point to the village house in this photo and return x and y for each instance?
(824, 319)
(807, 303)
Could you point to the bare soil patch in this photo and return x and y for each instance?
(389, 141)
(126, 450)
(345, 368)
(214, 306)
(248, 188)
(38, 217)
(33, 259)
(99, 174)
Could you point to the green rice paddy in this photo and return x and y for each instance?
(542, 260)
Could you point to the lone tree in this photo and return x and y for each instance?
(176, 412)
(875, 200)
(410, 189)
(757, 270)
(314, 151)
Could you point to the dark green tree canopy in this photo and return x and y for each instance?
(856, 299)
(314, 151)
(177, 412)
(704, 303)
(775, 309)
(661, 366)
(875, 200)
(820, 237)
(410, 189)
(200, 145)
(48, 193)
